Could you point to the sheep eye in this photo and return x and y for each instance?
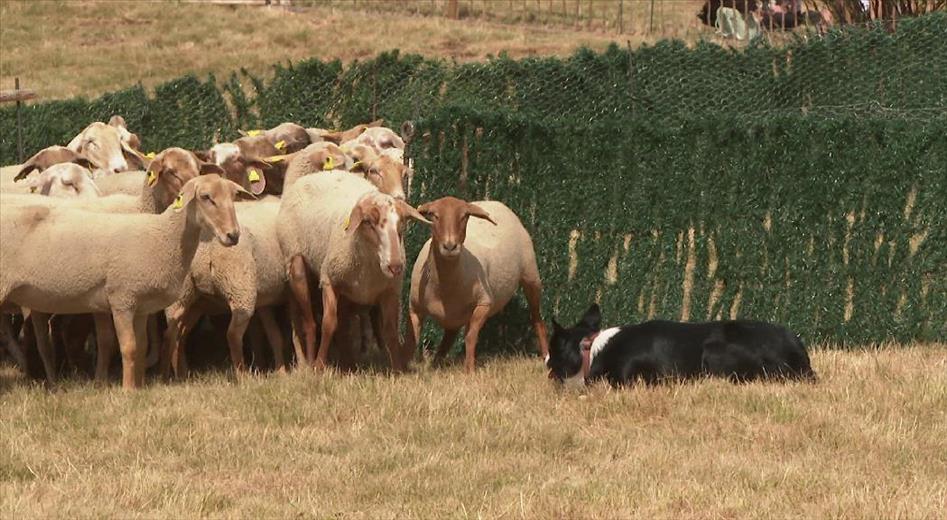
(206, 197)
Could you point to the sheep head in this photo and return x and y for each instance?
(449, 216)
(65, 180)
(47, 157)
(323, 156)
(380, 220)
(171, 170)
(103, 145)
(209, 198)
(248, 172)
(388, 175)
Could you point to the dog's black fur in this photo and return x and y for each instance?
(740, 350)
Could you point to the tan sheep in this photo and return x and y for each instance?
(314, 158)
(128, 266)
(468, 271)
(250, 278)
(166, 176)
(349, 235)
(106, 149)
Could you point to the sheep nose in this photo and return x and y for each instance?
(450, 247)
(395, 269)
(116, 170)
(233, 237)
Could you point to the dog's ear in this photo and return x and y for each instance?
(556, 328)
(592, 318)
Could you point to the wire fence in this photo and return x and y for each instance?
(804, 183)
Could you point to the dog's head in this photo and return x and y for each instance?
(565, 349)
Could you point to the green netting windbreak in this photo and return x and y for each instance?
(833, 226)
(803, 183)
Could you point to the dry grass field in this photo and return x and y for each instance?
(869, 440)
(63, 49)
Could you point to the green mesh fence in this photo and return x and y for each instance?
(805, 184)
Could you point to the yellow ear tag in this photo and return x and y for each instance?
(275, 158)
(178, 202)
(355, 164)
(328, 164)
(254, 133)
(152, 178)
(280, 145)
(254, 176)
(345, 225)
(150, 155)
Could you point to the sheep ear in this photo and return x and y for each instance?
(133, 156)
(255, 175)
(240, 193)
(83, 161)
(186, 196)
(593, 317)
(208, 168)
(354, 220)
(76, 144)
(117, 121)
(203, 155)
(154, 170)
(406, 210)
(28, 167)
(476, 211)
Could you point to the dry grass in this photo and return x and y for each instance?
(868, 441)
(63, 49)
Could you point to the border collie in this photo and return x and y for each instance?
(740, 350)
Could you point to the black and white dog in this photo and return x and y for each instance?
(740, 350)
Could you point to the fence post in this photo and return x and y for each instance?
(19, 125)
(651, 23)
(631, 80)
(621, 21)
(453, 10)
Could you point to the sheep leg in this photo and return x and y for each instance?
(239, 320)
(155, 342)
(299, 285)
(185, 326)
(141, 348)
(390, 307)
(296, 319)
(125, 325)
(105, 345)
(74, 331)
(330, 320)
(273, 336)
(477, 319)
(414, 332)
(533, 291)
(447, 340)
(41, 330)
(10, 340)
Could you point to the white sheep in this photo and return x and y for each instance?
(65, 180)
(349, 235)
(128, 266)
(468, 271)
(249, 277)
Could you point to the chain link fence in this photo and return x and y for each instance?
(805, 183)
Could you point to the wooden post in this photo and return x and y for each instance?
(453, 10)
(621, 21)
(651, 23)
(19, 125)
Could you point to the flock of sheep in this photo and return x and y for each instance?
(137, 247)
